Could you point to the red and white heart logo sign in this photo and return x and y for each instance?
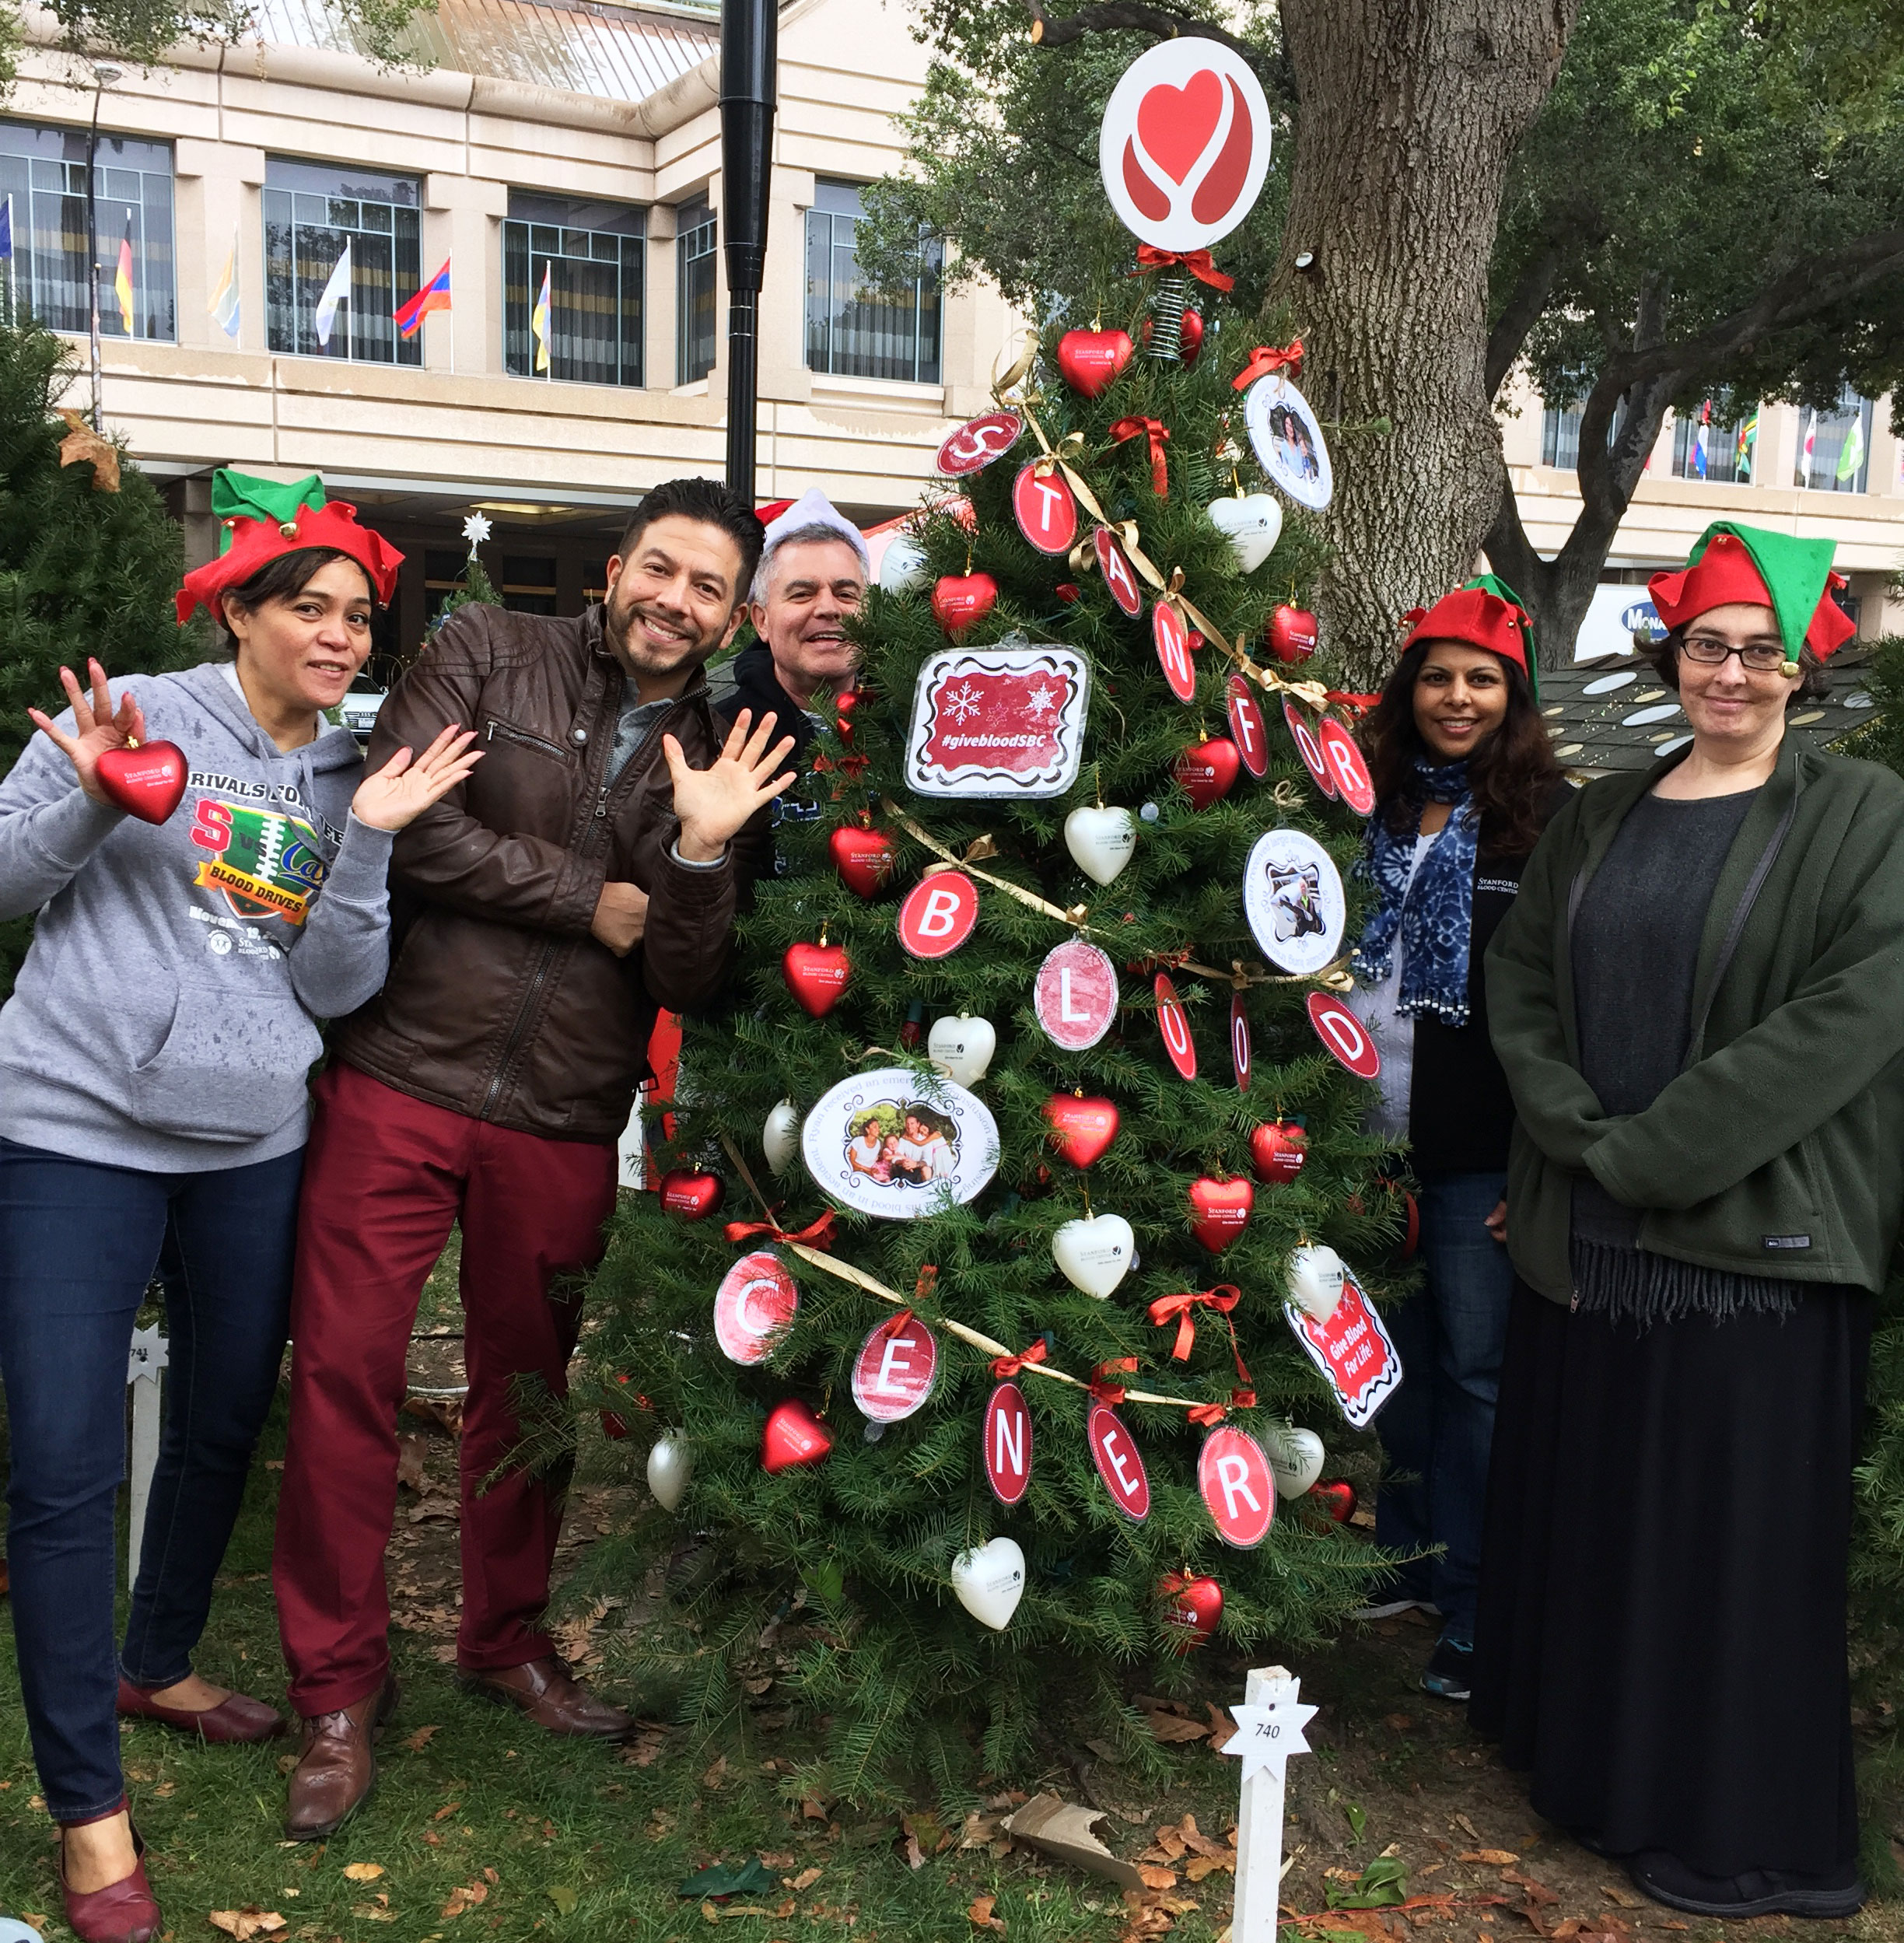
(1185, 144)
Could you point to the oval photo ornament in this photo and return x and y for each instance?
(1185, 144)
(891, 1144)
(1288, 441)
(1292, 897)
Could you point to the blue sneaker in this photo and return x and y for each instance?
(1449, 1671)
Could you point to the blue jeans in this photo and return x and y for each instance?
(79, 1243)
(1439, 1425)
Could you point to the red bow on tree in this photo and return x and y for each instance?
(1267, 358)
(1182, 1307)
(893, 1325)
(1102, 1389)
(1158, 431)
(1196, 261)
(1004, 1367)
(1210, 1415)
(816, 1234)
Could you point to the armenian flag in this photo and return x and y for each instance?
(539, 321)
(122, 277)
(434, 296)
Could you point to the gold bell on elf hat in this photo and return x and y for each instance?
(260, 519)
(1730, 563)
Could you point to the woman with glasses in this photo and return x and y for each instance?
(1697, 1002)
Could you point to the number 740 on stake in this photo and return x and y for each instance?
(1269, 1729)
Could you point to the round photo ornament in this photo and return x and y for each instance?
(1287, 439)
(892, 1144)
(1293, 897)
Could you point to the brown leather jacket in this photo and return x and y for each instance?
(500, 1004)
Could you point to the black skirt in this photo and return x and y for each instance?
(1661, 1637)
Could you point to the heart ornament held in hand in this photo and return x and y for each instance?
(990, 1580)
(145, 779)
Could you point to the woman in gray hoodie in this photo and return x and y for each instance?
(152, 1065)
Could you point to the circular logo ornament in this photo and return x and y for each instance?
(1309, 749)
(1247, 730)
(893, 1373)
(978, 442)
(1288, 441)
(1007, 1436)
(1048, 515)
(938, 914)
(1235, 1481)
(1076, 995)
(753, 1307)
(1341, 1032)
(893, 1144)
(1185, 144)
(1345, 765)
(1173, 650)
(1292, 897)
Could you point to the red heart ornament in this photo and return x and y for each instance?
(1208, 771)
(1292, 634)
(792, 1436)
(1278, 1149)
(961, 600)
(691, 1194)
(815, 974)
(614, 1426)
(146, 780)
(1189, 336)
(1336, 1497)
(1191, 1609)
(1175, 124)
(862, 857)
(1220, 1211)
(1081, 1129)
(1090, 360)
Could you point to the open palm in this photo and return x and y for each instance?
(400, 791)
(715, 803)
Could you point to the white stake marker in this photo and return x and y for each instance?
(1269, 1729)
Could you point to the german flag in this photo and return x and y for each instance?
(122, 277)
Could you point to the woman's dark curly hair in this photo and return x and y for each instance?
(1514, 773)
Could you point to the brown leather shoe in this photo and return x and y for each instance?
(336, 1766)
(547, 1691)
(236, 1717)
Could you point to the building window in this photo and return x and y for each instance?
(1560, 437)
(314, 213)
(43, 173)
(697, 236)
(854, 330)
(1719, 451)
(589, 258)
(1834, 447)
(528, 584)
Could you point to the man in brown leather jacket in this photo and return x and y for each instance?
(587, 872)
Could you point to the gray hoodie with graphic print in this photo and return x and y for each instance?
(165, 1018)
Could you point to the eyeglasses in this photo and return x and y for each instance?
(1711, 652)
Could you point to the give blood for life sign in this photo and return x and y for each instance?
(1353, 1351)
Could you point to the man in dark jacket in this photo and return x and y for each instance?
(586, 873)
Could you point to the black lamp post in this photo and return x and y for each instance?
(103, 77)
(749, 32)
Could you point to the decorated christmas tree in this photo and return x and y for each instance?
(958, 1335)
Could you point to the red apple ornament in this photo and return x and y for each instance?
(961, 600)
(1292, 634)
(691, 1194)
(815, 974)
(1278, 1149)
(1220, 1211)
(863, 856)
(1081, 1129)
(792, 1436)
(1090, 360)
(1192, 1608)
(145, 779)
(1207, 770)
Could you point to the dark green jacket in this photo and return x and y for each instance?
(1779, 1149)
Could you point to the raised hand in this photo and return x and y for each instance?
(400, 791)
(97, 725)
(715, 803)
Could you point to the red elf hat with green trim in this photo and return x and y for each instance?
(1730, 563)
(260, 519)
(1484, 612)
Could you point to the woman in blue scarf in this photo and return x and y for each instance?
(1465, 781)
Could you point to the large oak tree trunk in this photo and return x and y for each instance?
(1408, 112)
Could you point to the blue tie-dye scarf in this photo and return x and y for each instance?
(1435, 922)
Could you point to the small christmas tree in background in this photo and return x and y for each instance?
(841, 1576)
(478, 590)
(89, 559)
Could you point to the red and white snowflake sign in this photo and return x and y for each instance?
(998, 722)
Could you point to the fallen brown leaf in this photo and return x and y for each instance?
(1157, 1878)
(805, 1880)
(1199, 1867)
(448, 1809)
(418, 1742)
(717, 1774)
(1494, 1858)
(1620, 1896)
(980, 1915)
(362, 1871)
(248, 1922)
(377, 1912)
(1462, 1821)
(465, 1898)
(813, 1809)
(1174, 1727)
(1537, 1893)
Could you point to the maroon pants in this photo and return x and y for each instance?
(384, 1177)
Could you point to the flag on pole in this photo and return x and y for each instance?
(336, 292)
(434, 296)
(224, 305)
(1852, 456)
(539, 321)
(1810, 444)
(1742, 452)
(1700, 461)
(6, 231)
(122, 277)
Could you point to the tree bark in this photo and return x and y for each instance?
(1409, 110)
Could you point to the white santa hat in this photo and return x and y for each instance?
(812, 508)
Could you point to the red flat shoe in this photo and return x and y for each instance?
(122, 1912)
(235, 1718)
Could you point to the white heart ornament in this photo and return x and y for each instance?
(1315, 1280)
(1096, 1255)
(1100, 842)
(670, 1464)
(961, 1048)
(780, 1136)
(1252, 526)
(903, 568)
(1295, 1458)
(990, 1580)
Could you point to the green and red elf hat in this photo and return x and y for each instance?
(260, 519)
(1731, 563)
(1484, 612)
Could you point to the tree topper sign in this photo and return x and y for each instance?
(1185, 145)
